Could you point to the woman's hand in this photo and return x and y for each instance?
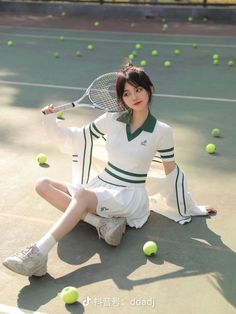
(48, 109)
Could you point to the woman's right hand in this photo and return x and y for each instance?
(48, 109)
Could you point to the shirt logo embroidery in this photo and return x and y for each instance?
(144, 143)
(104, 208)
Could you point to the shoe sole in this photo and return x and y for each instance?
(41, 271)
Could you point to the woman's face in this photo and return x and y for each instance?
(135, 98)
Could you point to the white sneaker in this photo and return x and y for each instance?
(112, 229)
(29, 262)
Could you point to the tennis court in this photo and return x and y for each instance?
(193, 271)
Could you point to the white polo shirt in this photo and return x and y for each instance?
(130, 154)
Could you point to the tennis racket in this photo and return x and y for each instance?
(101, 94)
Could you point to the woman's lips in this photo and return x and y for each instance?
(137, 103)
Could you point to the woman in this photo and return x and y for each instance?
(118, 195)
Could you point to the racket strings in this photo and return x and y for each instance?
(103, 93)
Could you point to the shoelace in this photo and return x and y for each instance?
(26, 252)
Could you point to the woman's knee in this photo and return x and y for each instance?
(88, 197)
(42, 184)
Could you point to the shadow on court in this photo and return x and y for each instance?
(194, 248)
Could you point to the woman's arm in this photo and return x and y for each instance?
(169, 166)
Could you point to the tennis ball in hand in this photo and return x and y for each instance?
(10, 43)
(210, 148)
(69, 295)
(41, 158)
(215, 132)
(150, 248)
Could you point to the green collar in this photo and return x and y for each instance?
(148, 125)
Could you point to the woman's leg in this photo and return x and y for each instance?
(57, 194)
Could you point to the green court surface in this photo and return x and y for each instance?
(194, 270)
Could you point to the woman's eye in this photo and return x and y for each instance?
(139, 89)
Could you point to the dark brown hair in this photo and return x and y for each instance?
(135, 76)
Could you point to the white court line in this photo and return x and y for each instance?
(118, 41)
(115, 32)
(6, 309)
(83, 89)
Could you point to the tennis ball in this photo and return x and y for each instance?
(60, 115)
(164, 27)
(215, 56)
(62, 38)
(163, 20)
(150, 248)
(205, 19)
(10, 43)
(132, 24)
(231, 63)
(210, 148)
(63, 13)
(50, 16)
(134, 53)
(195, 45)
(167, 64)
(215, 132)
(90, 47)
(96, 24)
(78, 53)
(190, 19)
(41, 158)
(138, 46)
(154, 53)
(216, 61)
(69, 295)
(56, 55)
(177, 52)
(143, 63)
(131, 57)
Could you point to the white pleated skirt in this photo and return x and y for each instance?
(130, 202)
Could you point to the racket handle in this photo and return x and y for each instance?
(64, 107)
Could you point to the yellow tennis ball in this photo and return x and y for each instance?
(90, 47)
(177, 52)
(96, 24)
(216, 61)
(78, 53)
(154, 53)
(143, 63)
(150, 248)
(215, 132)
(195, 45)
(56, 55)
(60, 114)
(215, 56)
(131, 57)
(63, 13)
(167, 64)
(10, 43)
(69, 295)
(41, 158)
(62, 38)
(138, 46)
(231, 63)
(210, 148)
(190, 19)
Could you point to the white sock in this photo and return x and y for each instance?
(46, 243)
(93, 220)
